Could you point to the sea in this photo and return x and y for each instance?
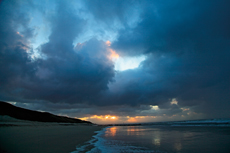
(200, 136)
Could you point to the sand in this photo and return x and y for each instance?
(44, 138)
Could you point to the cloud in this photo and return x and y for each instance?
(187, 55)
(15, 63)
(185, 45)
(65, 74)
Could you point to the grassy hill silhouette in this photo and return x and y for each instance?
(30, 115)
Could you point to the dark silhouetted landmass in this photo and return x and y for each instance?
(25, 114)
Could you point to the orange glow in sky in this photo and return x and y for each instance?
(113, 119)
(113, 54)
(101, 117)
(132, 119)
(108, 43)
(19, 34)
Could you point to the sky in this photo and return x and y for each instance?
(117, 61)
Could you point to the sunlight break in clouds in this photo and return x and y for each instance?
(124, 63)
(155, 107)
(174, 102)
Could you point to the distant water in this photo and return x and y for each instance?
(160, 139)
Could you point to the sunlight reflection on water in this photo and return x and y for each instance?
(111, 132)
(170, 139)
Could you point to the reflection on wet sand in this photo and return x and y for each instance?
(156, 138)
(178, 146)
(169, 139)
(157, 141)
(134, 130)
(111, 131)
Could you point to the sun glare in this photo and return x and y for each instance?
(113, 117)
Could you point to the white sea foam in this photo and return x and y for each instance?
(93, 143)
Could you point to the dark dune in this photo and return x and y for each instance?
(25, 114)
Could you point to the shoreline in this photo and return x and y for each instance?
(39, 137)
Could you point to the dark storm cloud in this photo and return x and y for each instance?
(81, 76)
(66, 74)
(110, 11)
(15, 64)
(176, 26)
(186, 45)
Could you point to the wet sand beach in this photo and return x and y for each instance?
(44, 137)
